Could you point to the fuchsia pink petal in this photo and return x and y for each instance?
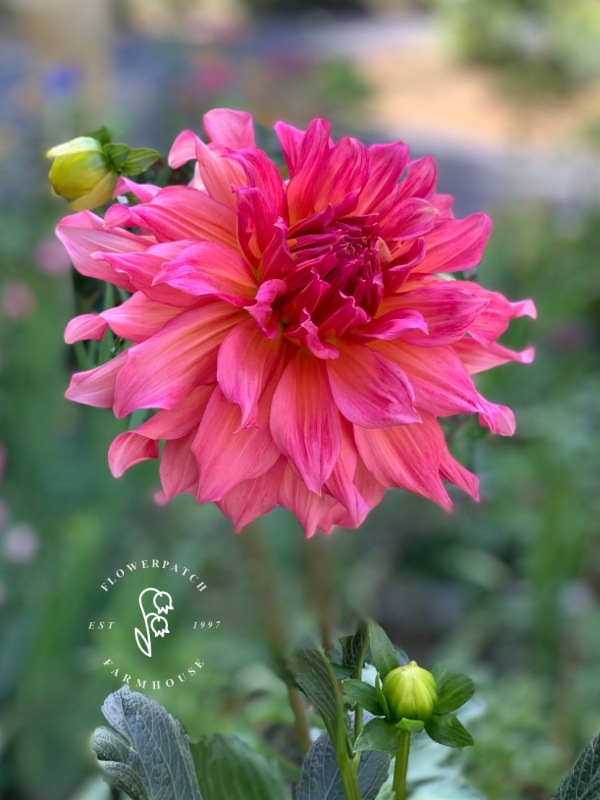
(229, 128)
(295, 337)
(407, 456)
(245, 365)
(251, 451)
(369, 390)
(160, 372)
(252, 498)
(178, 467)
(86, 326)
(127, 449)
(456, 244)
(305, 420)
(84, 235)
(96, 387)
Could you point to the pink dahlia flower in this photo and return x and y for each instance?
(297, 337)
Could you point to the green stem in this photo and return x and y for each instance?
(401, 766)
(358, 712)
(349, 780)
(358, 722)
(261, 575)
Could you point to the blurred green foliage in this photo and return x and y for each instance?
(539, 46)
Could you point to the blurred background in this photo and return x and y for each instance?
(505, 94)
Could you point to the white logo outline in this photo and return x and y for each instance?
(153, 622)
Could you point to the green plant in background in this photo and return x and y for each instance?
(539, 46)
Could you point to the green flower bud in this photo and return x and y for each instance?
(410, 692)
(81, 173)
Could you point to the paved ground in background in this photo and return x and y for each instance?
(490, 149)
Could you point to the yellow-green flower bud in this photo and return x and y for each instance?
(81, 173)
(410, 692)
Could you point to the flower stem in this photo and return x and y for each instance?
(261, 574)
(350, 781)
(401, 766)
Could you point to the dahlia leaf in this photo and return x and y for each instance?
(315, 677)
(378, 734)
(146, 753)
(454, 691)
(228, 769)
(354, 648)
(364, 695)
(582, 781)
(448, 730)
(383, 651)
(321, 778)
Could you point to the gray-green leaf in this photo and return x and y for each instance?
(314, 675)
(229, 770)
(147, 755)
(582, 781)
(321, 779)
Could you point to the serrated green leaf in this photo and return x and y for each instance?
(364, 694)
(117, 154)
(139, 160)
(383, 651)
(448, 730)
(582, 781)
(378, 734)
(148, 757)
(314, 675)
(454, 691)
(321, 779)
(228, 769)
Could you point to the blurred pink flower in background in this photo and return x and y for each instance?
(20, 543)
(297, 338)
(18, 300)
(51, 258)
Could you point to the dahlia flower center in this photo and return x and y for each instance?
(343, 259)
